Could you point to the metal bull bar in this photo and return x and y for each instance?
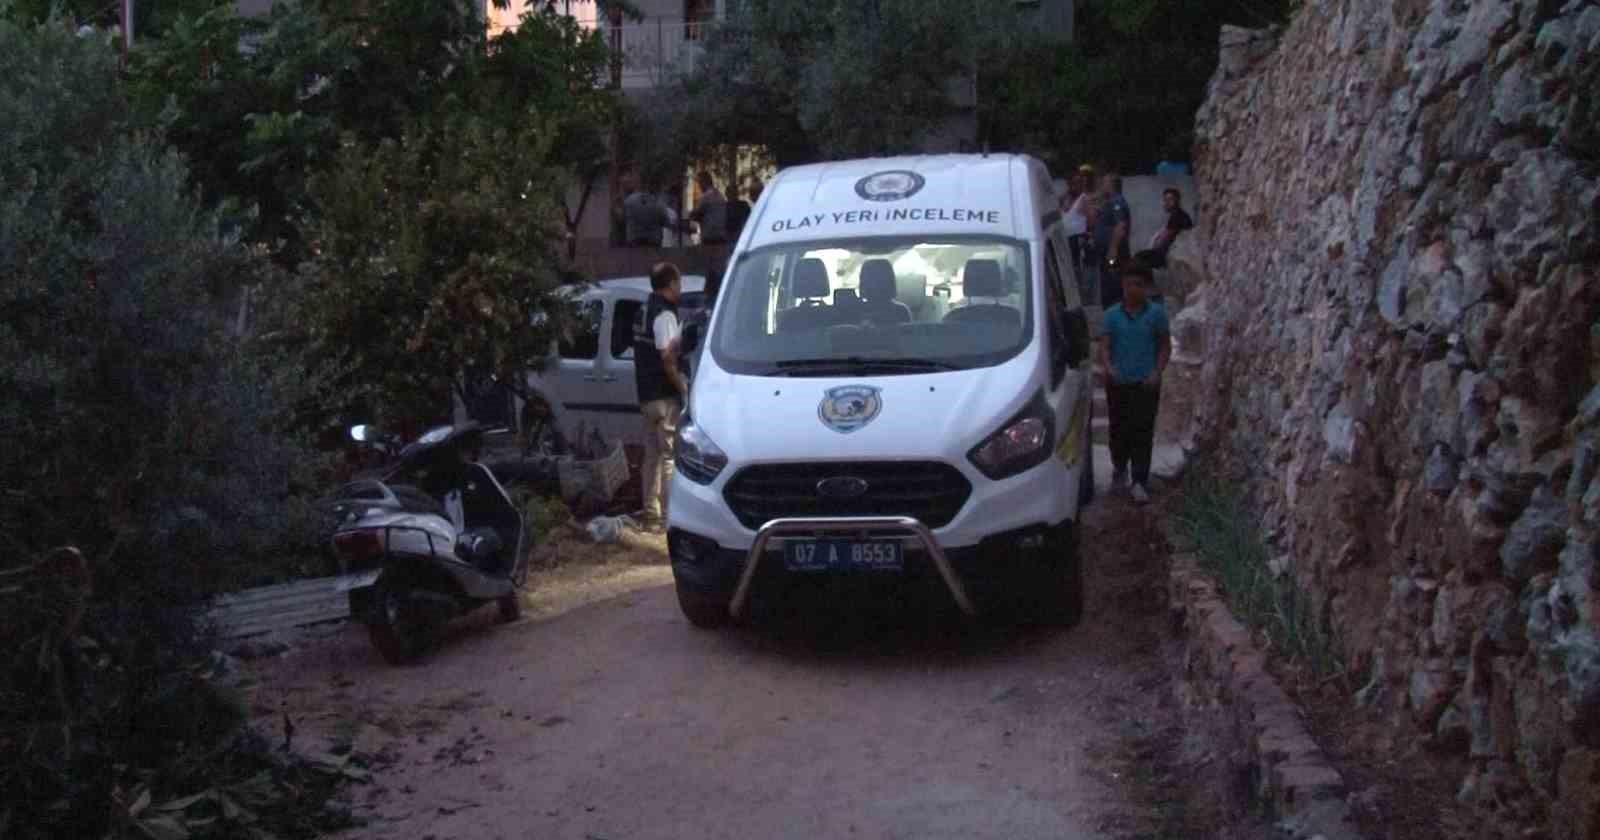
(870, 526)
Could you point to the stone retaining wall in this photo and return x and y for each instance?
(1393, 341)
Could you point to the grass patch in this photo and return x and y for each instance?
(1227, 540)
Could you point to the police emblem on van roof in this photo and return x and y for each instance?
(849, 407)
(890, 185)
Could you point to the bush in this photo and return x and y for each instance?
(1228, 542)
(133, 425)
(431, 254)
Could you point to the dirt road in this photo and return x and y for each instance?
(617, 719)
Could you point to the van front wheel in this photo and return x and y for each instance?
(702, 611)
(1060, 593)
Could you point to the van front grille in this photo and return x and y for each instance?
(930, 492)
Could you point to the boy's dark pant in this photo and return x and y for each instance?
(1133, 427)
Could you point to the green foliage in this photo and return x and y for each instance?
(430, 253)
(1126, 90)
(832, 78)
(547, 515)
(260, 120)
(124, 398)
(1228, 541)
(551, 67)
(133, 425)
(310, 139)
(149, 17)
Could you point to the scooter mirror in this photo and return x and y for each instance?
(364, 433)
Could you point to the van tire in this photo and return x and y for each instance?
(1070, 609)
(702, 611)
(1060, 593)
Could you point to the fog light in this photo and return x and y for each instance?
(686, 547)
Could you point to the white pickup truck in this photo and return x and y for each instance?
(588, 380)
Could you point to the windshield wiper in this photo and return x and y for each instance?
(792, 367)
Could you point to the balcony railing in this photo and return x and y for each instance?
(655, 50)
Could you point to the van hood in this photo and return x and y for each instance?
(928, 416)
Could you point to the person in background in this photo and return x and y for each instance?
(1135, 345)
(678, 228)
(1079, 205)
(1178, 221)
(644, 216)
(738, 214)
(662, 389)
(711, 212)
(1112, 230)
(754, 191)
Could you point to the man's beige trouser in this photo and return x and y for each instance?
(660, 426)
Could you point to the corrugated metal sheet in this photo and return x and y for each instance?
(280, 607)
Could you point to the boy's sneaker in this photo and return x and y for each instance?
(1141, 495)
(1119, 477)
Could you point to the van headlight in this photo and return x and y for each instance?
(1022, 443)
(697, 457)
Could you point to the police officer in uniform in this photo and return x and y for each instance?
(662, 388)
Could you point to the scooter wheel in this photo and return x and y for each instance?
(397, 643)
(509, 607)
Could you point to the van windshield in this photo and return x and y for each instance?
(878, 306)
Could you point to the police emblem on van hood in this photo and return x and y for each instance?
(890, 185)
(849, 407)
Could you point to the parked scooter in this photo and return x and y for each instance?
(434, 538)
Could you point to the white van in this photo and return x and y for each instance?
(895, 394)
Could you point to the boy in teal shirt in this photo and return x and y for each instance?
(1134, 348)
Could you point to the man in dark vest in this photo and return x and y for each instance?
(662, 388)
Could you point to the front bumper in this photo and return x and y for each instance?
(976, 579)
(1045, 494)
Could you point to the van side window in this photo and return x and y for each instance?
(583, 341)
(1076, 318)
(626, 322)
(1069, 275)
(1056, 306)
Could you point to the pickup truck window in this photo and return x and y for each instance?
(584, 341)
(626, 322)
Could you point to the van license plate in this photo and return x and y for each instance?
(356, 581)
(842, 555)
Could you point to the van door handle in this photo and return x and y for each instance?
(610, 377)
(589, 377)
